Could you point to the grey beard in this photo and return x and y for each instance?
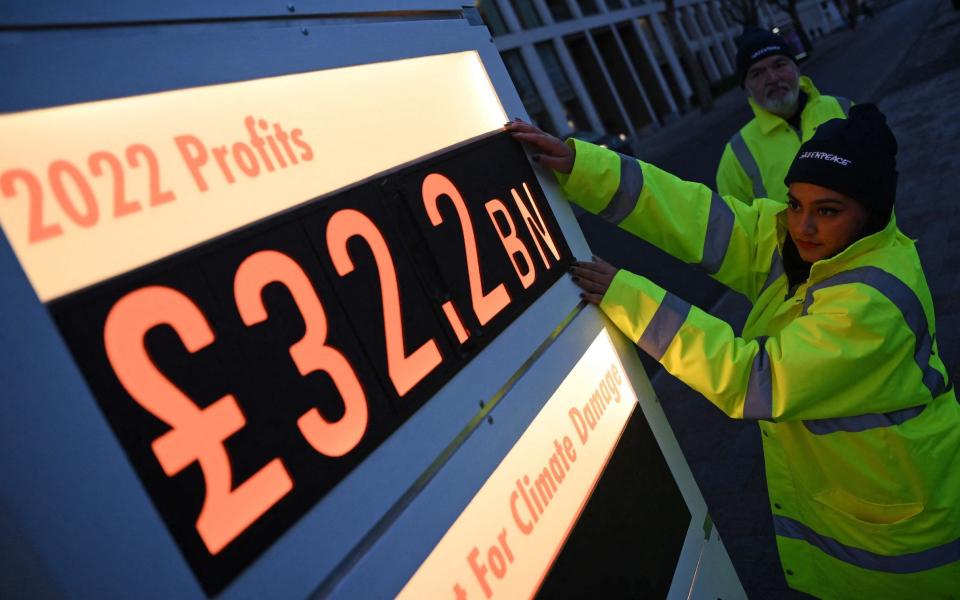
(784, 106)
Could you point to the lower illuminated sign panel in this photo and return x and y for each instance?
(248, 375)
(583, 502)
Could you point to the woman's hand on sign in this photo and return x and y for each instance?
(549, 151)
(593, 277)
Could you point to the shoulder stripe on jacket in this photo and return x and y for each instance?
(914, 562)
(904, 299)
(664, 325)
(625, 198)
(749, 164)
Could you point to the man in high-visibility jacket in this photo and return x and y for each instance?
(838, 361)
(787, 110)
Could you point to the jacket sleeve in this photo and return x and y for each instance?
(732, 180)
(851, 354)
(730, 240)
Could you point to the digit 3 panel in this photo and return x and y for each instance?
(287, 316)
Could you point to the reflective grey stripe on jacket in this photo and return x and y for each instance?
(914, 562)
(776, 270)
(719, 230)
(758, 403)
(628, 192)
(909, 305)
(862, 422)
(748, 163)
(664, 325)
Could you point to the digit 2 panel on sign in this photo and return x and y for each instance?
(247, 375)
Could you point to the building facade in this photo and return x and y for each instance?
(610, 67)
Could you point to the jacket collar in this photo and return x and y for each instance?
(839, 262)
(769, 121)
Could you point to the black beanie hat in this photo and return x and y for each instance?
(855, 156)
(756, 44)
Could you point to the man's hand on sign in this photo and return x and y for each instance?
(552, 152)
(593, 277)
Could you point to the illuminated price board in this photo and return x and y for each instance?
(247, 375)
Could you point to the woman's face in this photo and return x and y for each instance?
(822, 222)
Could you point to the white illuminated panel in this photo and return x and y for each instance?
(93, 190)
(504, 542)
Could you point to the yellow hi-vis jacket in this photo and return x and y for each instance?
(756, 159)
(860, 424)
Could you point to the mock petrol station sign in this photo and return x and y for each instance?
(256, 293)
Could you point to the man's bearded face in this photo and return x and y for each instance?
(774, 84)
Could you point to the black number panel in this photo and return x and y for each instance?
(247, 376)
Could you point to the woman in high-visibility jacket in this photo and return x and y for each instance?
(838, 360)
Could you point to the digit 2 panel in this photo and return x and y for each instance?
(488, 232)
